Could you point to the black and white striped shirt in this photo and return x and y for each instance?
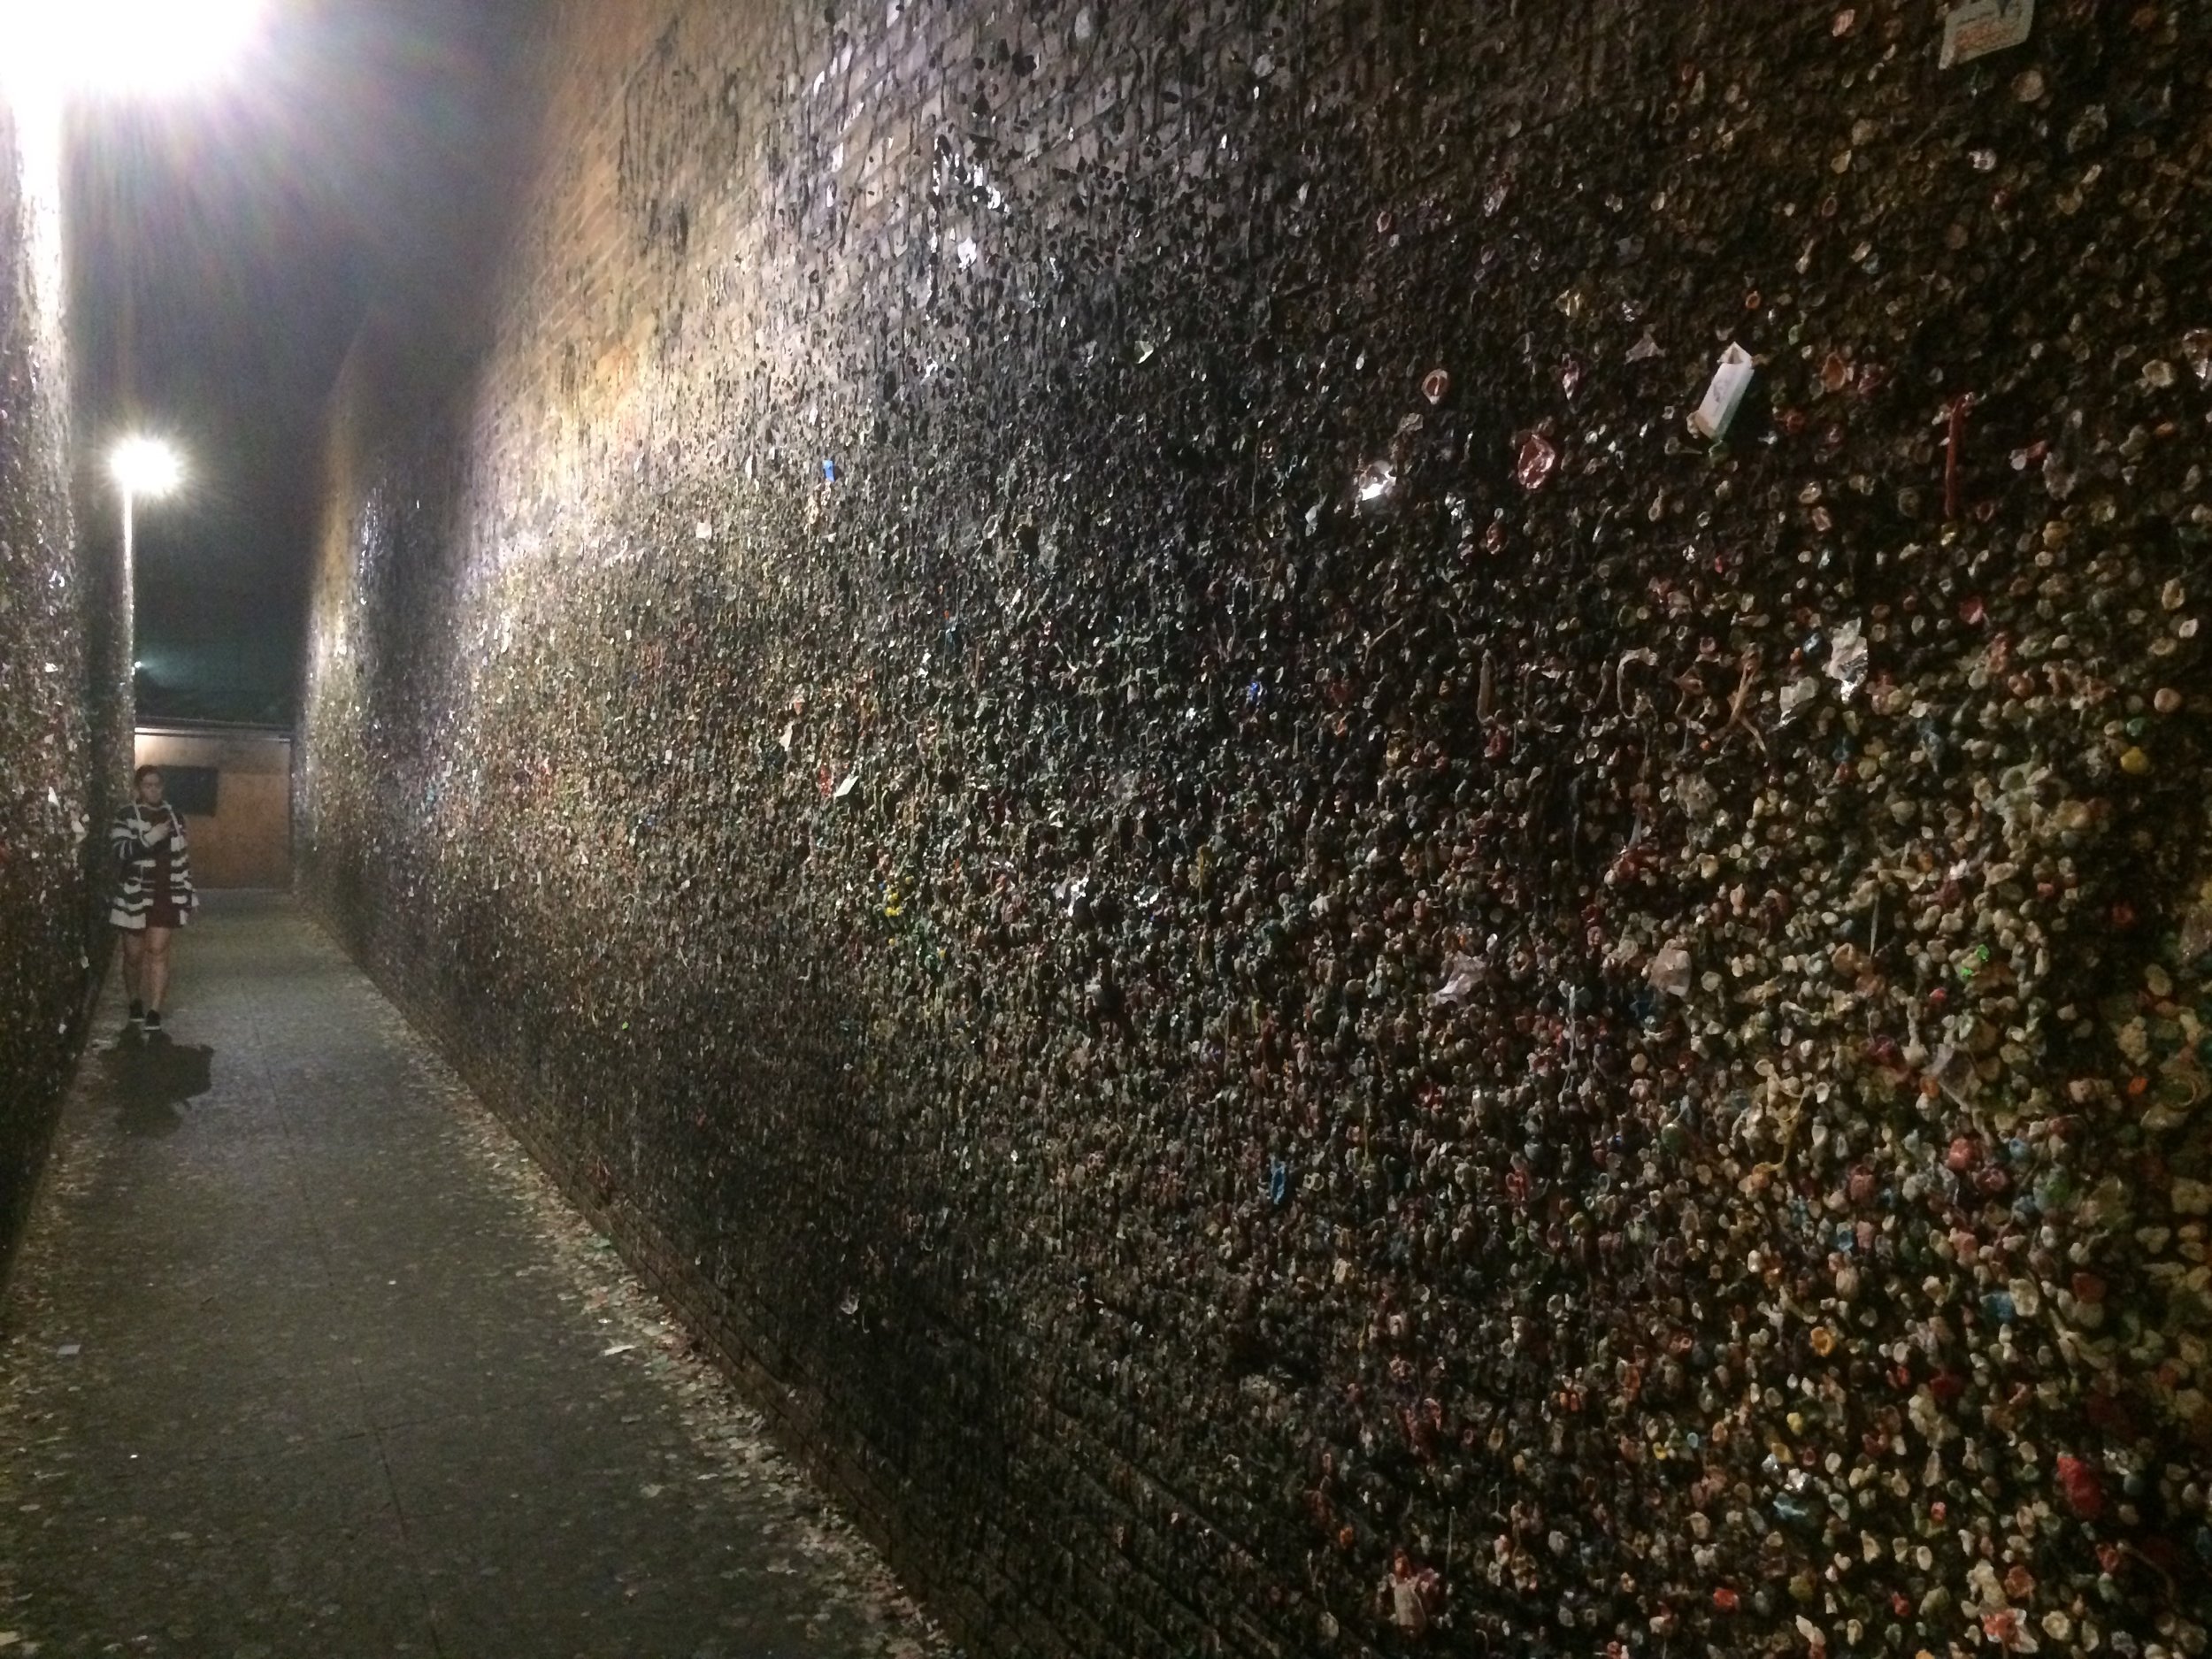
(138, 859)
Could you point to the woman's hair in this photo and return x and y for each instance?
(143, 773)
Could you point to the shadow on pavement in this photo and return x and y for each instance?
(150, 1076)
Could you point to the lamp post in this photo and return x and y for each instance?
(140, 467)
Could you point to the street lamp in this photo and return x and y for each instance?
(105, 46)
(141, 466)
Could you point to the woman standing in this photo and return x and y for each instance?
(154, 896)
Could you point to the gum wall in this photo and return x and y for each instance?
(63, 700)
(1063, 707)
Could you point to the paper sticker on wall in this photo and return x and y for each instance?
(1725, 395)
(1982, 27)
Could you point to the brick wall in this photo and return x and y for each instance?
(1065, 711)
(62, 694)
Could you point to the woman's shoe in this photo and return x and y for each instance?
(138, 1012)
(153, 1019)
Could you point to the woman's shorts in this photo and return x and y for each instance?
(165, 916)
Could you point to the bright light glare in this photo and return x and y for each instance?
(121, 45)
(146, 466)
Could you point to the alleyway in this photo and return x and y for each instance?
(302, 1357)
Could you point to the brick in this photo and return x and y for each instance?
(65, 680)
(950, 1107)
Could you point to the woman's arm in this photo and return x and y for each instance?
(180, 865)
(123, 840)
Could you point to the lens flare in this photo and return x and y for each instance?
(146, 466)
(121, 46)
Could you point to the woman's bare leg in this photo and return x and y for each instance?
(157, 975)
(133, 960)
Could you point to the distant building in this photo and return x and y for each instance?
(234, 785)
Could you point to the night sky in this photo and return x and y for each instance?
(256, 222)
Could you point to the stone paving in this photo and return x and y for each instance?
(302, 1356)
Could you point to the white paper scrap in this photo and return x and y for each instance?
(1979, 28)
(1725, 395)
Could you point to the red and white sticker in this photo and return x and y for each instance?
(1982, 27)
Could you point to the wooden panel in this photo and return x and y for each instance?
(247, 841)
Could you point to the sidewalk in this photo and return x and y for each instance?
(302, 1357)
